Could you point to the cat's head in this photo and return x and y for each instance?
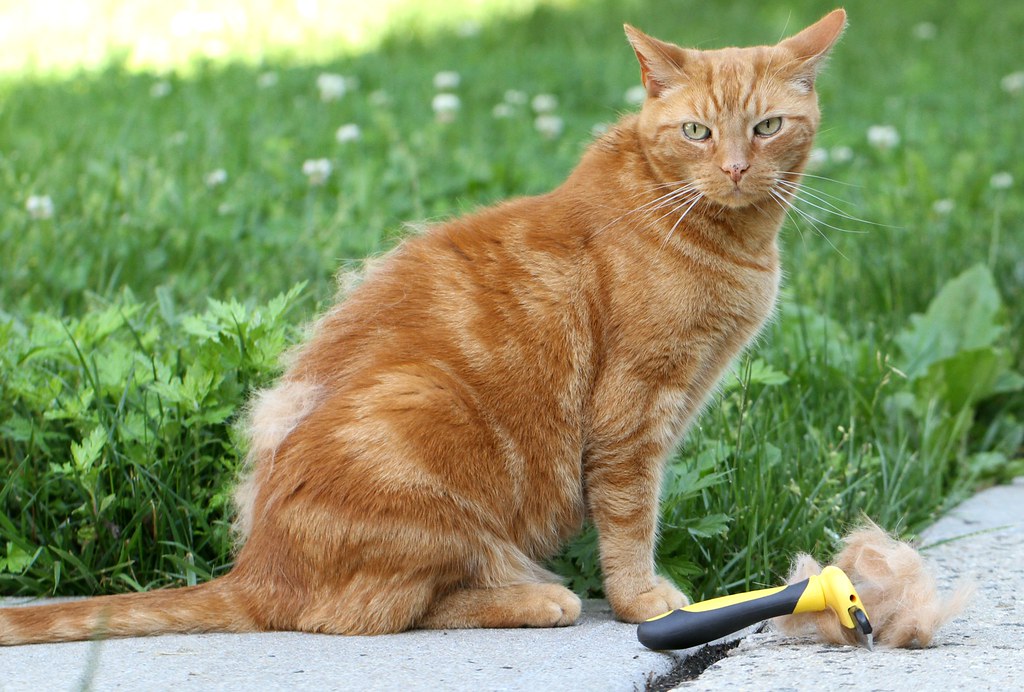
(730, 122)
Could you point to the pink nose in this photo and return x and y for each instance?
(736, 170)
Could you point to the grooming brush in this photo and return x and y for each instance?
(706, 621)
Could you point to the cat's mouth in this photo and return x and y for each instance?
(737, 195)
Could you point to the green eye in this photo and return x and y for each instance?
(696, 131)
(766, 128)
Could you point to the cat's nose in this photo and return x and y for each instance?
(735, 171)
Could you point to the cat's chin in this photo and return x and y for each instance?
(736, 198)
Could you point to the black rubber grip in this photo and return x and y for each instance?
(682, 629)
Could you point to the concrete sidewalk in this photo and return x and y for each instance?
(980, 650)
(597, 654)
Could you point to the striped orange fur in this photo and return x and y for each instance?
(500, 377)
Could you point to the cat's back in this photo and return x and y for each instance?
(506, 288)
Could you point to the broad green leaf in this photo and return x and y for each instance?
(987, 463)
(198, 326)
(966, 314)
(17, 560)
(106, 502)
(709, 525)
(754, 372)
(88, 451)
(968, 377)
(198, 382)
(169, 392)
(165, 301)
(282, 301)
(17, 429)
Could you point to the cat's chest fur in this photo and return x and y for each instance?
(691, 308)
(677, 315)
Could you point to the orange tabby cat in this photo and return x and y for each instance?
(499, 377)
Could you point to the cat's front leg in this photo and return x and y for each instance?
(623, 483)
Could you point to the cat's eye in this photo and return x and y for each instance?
(696, 131)
(766, 128)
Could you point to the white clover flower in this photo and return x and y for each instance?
(160, 89)
(331, 86)
(544, 103)
(196, 22)
(817, 158)
(1001, 181)
(447, 80)
(445, 107)
(39, 206)
(925, 31)
(379, 98)
(308, 9)
(883, 136)
(1013, 83)
(503, 110)
(636, 95)
(215, 177)
(516, 97)
(943, 207)
(317, 170)
(349, 132)
(215, 48)
(266, 80)
(468, 29)
(549, 125)
(841, 154)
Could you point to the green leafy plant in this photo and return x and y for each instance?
(955, 356)
(118, 446)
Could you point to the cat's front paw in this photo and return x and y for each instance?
(657, 600)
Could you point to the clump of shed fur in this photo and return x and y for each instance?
(895, 585)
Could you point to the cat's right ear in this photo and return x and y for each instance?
(661, 63)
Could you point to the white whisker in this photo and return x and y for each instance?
(809, 216)
(680, 219)
(834, 212)
(653, 205)
(804, 186)
(801, 192)
(819, 177)
(686, 200)
(812, 221)
(785, 210)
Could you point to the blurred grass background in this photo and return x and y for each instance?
(155, 157)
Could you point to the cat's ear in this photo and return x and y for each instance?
(661, 63)
(810, 47)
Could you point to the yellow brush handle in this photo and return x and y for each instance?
(708, 620)
(730, 600)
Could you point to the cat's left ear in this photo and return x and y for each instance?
(661, 63)
(811, 46)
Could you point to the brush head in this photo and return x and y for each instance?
(842, 599)
(864, 634)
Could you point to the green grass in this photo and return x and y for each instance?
(135, 320)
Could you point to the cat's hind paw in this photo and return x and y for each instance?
(522, 605)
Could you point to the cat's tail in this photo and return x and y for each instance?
(215, 606)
